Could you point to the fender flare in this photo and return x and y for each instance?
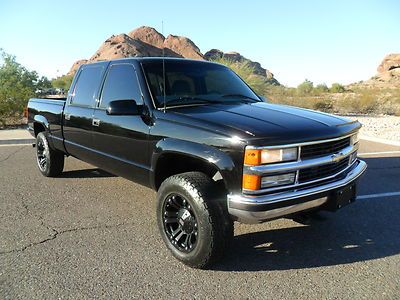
(218, 159)
(39, 119)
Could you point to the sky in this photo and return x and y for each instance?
(322, 41)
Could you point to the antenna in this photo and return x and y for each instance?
(163, 65)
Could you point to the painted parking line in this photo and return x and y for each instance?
(378, 195)
(379, 140)
(379, 153)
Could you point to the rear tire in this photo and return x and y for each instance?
(193, 219)
(50, 162)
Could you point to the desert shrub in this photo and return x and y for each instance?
(396, 102)
(337, 88)
(323, 105)
(367, 102)
(321, 88)
(258, 83)
(306, 87)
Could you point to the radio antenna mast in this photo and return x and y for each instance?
(163, 66)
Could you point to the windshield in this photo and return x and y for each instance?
(192, 82)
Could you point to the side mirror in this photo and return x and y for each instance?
(124, 108)
(263, 98)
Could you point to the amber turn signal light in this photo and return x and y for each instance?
(252, 157)
(251, 182)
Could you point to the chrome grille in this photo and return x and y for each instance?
(314, 173)
(322, 149)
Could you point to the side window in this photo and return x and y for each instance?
(88, 82)
(121, 84)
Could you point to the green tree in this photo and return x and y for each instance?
(17, 85)
(43, 83)
(62, 82)
(337, 88)
(306, 87)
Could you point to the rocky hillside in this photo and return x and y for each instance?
(146, 41)
(388, 75)
(237, 57)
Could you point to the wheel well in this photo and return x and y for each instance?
(38, 127)
(171, 164)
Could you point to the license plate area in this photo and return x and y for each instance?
(342, 197)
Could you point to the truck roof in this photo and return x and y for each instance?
(151, 59)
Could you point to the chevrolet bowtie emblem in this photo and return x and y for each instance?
(337, 156)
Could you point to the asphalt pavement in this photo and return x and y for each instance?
(89, 234)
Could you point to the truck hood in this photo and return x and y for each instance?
(264, 122)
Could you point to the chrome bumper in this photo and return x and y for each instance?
(256, 209)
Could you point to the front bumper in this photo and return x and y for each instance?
(260, 208)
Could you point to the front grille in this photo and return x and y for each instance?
(322, 149)
(322, 171)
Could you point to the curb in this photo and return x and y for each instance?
(379, 140)
(17, 142)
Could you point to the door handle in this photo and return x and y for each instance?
(96, 122)
(67, 117)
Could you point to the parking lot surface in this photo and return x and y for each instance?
(89, 234)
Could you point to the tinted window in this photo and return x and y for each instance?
(188, 82)
(88, 82)
(121, 84)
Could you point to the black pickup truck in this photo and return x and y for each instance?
(214, 151)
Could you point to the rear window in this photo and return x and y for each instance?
(87, 85)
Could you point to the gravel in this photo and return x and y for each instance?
(382, 127)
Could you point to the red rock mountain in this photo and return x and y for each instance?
(148, 35)
(146, 41)
(390, 62)
(388, 75)
(389, 70)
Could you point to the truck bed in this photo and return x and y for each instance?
(47, 111)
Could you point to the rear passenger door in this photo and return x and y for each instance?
(79, 109)
(121, 141)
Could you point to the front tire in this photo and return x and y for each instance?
(50, 162)
(192, 219)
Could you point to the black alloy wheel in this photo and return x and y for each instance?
(50, 161)
(180, 224)
(42, 154)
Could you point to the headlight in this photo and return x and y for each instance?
(277, 180)
(255, 182)
(354, 139)
(254, 157)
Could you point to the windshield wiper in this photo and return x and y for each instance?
(196, 100)
(239, 96)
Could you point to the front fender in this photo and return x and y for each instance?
(220, 160)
